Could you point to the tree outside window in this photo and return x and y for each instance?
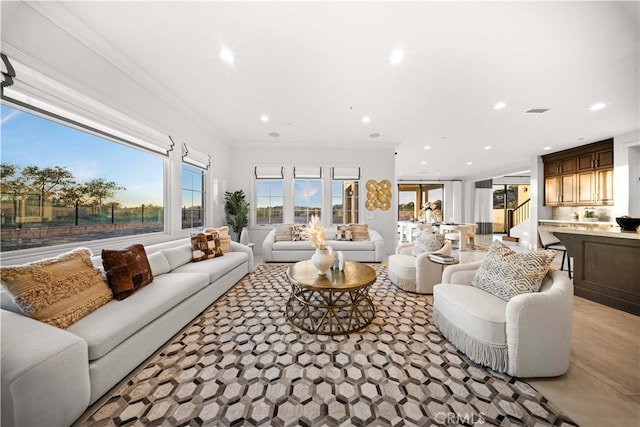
(59, 184)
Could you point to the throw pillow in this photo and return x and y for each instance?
(283, 232)
(58, 291)
(343, 232)
(127, 270)
(205, 246)
(299, 233)
(359, 232)
(427, 242)
(223, 235)
(506, 273)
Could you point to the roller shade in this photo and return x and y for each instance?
(195, 157)
(345, 173)
(308, 172)
(269, 172)
(31, 89)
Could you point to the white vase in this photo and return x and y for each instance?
(244, 236)
(321, 261)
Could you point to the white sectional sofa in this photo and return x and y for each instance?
(50, 375)
(293, 251)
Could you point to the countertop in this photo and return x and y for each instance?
(592, 223)
(615, 232)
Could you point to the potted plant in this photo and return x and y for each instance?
(236, 210)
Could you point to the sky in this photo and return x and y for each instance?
(28, 140)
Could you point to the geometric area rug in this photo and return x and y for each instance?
(241, 363)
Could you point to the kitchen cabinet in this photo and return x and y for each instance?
(580, 176)
(560, 190)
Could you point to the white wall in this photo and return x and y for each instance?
(376, 162)
(626, 175)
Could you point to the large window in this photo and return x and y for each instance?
(344, 202)
(192, 197)
(307, 199)
(420, 202)
(63, 185)
(269, 201)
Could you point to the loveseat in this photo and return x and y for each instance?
(51, 375)
(370, 250)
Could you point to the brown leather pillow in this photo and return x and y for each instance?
(127, 270)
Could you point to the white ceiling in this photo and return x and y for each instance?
(316, 68)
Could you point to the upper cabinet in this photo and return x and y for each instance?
(580, 176)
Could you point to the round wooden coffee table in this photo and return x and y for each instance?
(335, 304)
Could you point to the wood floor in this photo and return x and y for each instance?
(602, 387)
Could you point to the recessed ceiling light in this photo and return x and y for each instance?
(597, 106)
(274, 134)
(227, 56)
(366, 119)
(547, 148)
(423, 162)
(374, 135)
(469, 163)
(487, 147)
(264, 118)
(427, 147)
(499, 106)
(396, 57)
(536, 111)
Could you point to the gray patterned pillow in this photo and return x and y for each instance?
(505, 273)
(427, 242)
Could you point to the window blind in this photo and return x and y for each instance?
(308, 172)
(345, 173)
(31, 89)
(194, 157)
(269, 172)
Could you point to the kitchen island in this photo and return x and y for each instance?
(606, 264)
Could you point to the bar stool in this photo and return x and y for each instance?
(549, 241)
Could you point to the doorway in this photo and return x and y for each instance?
(507, 198)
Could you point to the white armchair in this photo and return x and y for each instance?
(415, 273)
(527, 336)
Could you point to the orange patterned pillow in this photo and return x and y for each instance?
(58, 291)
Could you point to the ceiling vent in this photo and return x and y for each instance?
(536, 111)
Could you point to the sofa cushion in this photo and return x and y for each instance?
(223, 235)
(283, 232)
(205, 246)
(178, 256)
(114, 322)
(359, 232)
(159, 263)
(427, 242)
(473, 311)
(343, 232)
(299, 233)
(215, 268)
(346, 246)
(59, 290)
(127, 270)
(505, 273)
